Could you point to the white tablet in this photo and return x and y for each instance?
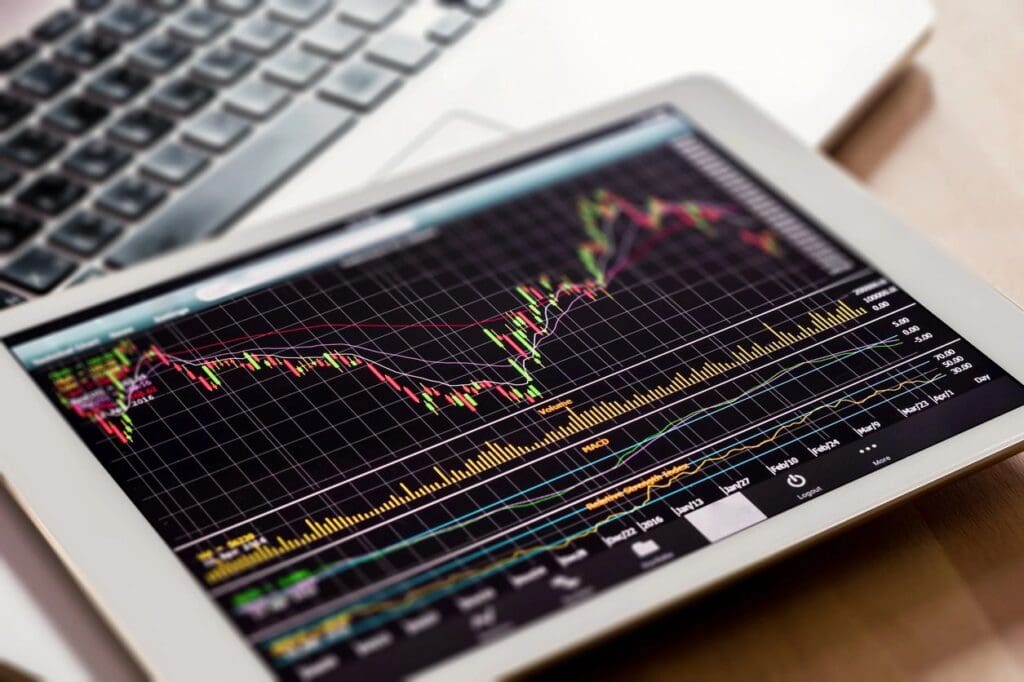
(476, 417)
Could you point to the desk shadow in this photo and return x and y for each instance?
(878, 131)
(981, 522)
(876, 602)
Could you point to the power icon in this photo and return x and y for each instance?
(796, 481)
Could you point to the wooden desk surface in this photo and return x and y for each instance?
(935, 588)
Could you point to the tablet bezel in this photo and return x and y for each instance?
(164, 615)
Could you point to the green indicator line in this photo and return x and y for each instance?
(209, 373)
(469, 399)
(329, 359)
(532, 390)
(330, 569)
(293, 577)
(114, 380)
(494, 338)
(251, 360)
(458, 401)
(521, 370)
(725, 403)
(243, 598)
(524, 293)
(530, 348)
(590, 264)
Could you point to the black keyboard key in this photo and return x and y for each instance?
(14, 53)
(31, 147)
(38, 269)
(9, 298)
(402, 52)
(88, 49)
(128, 21)
(199, 25)
(8, 178)
(55, 25)
(174, 163)
(222, 65)
(119, 84)
(76, 115)
(360, 85)
(86, 275)
(51, 194)
(97, 160)
(236, 7)
(160, 54)
(44, 79)
(261, 35)
(164, 5)
(298, 12)
(296, 68)
(371, 13)
(131, 198)
(449, 27)
(12, 110)
(334, 39)
(478, 7)
(183, 97)
(256, 98)
(16, 227)
(216, 130)
(229, 188)
(86, 233)
(140, 128)
(91, 5)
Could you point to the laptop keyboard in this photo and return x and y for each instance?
(128, 129)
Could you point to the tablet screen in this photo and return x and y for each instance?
(380, 445)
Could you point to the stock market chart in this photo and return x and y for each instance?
(381, 461)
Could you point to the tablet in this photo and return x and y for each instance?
(468, 420)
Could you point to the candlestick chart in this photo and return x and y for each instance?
(551, 393)
(103, 387)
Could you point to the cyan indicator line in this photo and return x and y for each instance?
(454, 563)
(255, 575)
(374, 621)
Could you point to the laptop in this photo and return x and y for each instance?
(130, 129)
(375, 87)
